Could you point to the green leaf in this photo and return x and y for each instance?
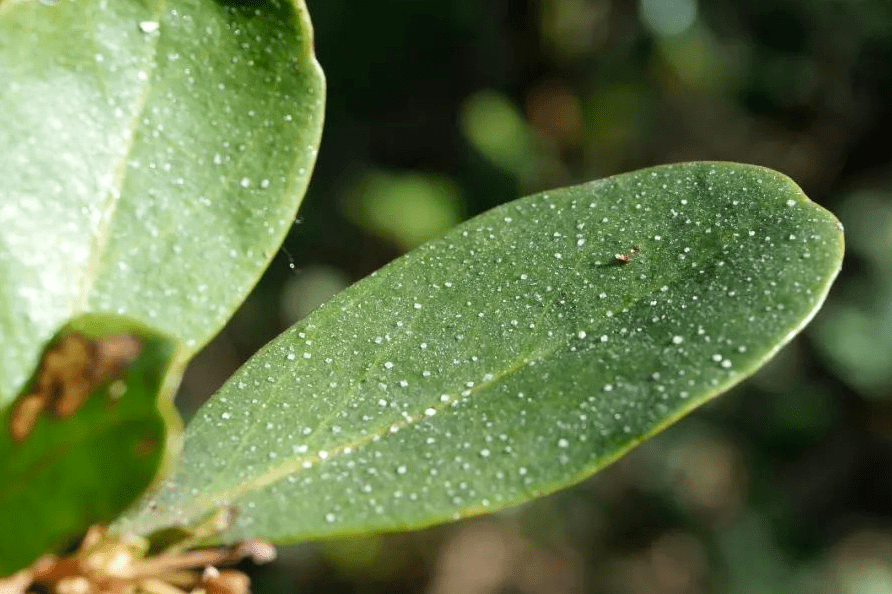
(67, 470)
(155, 152)
(511, 358)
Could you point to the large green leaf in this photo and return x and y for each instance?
(154, 154)
(512, 357)
(66, 471)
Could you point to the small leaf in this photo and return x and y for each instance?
(520, 353)
(155, 154)
(86, 437)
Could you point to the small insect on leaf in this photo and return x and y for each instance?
(71, 369)
(626, 256)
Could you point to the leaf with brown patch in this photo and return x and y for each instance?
(72, 368)
(86, 435)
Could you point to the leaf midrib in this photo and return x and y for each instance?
(291, 466)
(102, 236)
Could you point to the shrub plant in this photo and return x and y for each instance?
(155, 154)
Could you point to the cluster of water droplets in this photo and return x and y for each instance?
(521, 349)
(154, 164)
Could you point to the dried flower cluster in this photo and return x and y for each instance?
(111, 564)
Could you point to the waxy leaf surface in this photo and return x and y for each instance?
(71, 462)
(518, 354)
(154, 155)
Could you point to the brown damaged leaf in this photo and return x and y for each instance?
(71, 369)
(88, 433)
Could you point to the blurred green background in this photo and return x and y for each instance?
(441, 109)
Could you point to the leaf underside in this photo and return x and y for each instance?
(517, 355)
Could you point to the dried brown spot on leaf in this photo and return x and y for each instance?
(24, 414)
(71, 369)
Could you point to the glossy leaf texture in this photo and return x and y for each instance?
(520, 353)
(93, 441)
(155, 153)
